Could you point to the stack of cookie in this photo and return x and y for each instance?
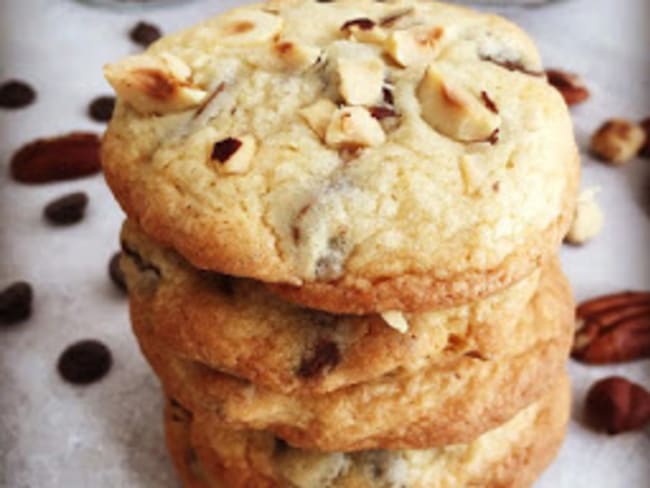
(340, 252)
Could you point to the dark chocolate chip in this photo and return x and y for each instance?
(280, 445)
(223, 283)
(16, 94)
(115, 272)
(144, 33)
(326, 356)
(15, 303)
(101, 108)
(85, 362)
(66, 210)
(224, 149)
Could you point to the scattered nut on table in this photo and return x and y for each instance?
(617, 141)
(617, 405)
(588, 219)
(613, 328)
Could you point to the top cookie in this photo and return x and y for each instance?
(364, 156)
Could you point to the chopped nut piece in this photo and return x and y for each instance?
(396, 320)
(588, 218)
(417, 45)
(241, 28)
(235, 155)
(473, 173)
(364, 30)
(296, 55)
(617, 141)
(318, 115)
(354, 126)
(454, 111)
(154, 84)
(361, 80)
(570, 86)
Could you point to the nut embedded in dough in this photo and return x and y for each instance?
(416, 45)
(154, 84)
(453, 110)
(245, 28)
(318, 115)
(396, 320)
(354, 126)
(234, 155)
(361, 80)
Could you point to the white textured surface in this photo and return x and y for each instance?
(109, 434)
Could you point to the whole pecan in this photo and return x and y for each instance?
(58, 158)
(613, 328)
(617, 405)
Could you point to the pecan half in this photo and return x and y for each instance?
(58, 158)
(613, 328)
(570, 86)
(617, 405)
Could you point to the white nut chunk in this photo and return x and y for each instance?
(318, 115)
(588, 218)
(417, 45)
(353, 126)
(396, 320)
(234, 155)
(295, 55)
(249, 27)
(361, 80)
(154, 84)
(454, 111)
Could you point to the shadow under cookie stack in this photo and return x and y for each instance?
(339, 283)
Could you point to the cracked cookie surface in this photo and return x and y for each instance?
(362, 156)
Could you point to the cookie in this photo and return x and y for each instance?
(237, 326)
(512, 455)
(362, 156)
(431, 407)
